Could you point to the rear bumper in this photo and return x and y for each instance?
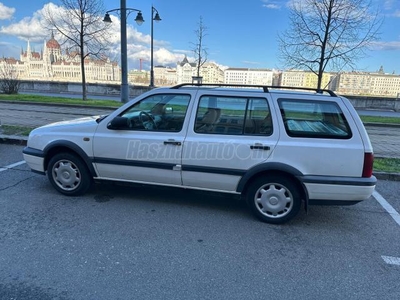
(328, 190)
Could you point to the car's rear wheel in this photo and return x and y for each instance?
(68, 174)
(273, 199)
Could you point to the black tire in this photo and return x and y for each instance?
(68, 174)
(273, 199)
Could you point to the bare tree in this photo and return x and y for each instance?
(200, 52)
(328, 33)
(9, 82)
(81, 26)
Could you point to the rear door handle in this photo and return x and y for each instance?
(259, 147)
(172, 142)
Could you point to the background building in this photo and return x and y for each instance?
(373, 84)
(139, 77)
(248, 76)
(307, 79)
(211, 72)
(164, 76)
(54, 64)
(185, 71)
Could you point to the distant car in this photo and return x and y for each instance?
(278, 147)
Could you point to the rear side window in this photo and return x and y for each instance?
(233, 116)
(314, 119)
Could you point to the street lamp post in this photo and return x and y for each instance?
(157, 19)
(124, 51)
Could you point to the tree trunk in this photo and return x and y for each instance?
(84, 96)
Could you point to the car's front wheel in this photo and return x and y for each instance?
(68, 174)
(273, 199)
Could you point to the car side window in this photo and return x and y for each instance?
(314, 119)
(161, 112)
(233, 116)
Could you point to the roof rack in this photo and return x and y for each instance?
(266, 88)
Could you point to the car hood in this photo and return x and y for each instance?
(71, 130)
(72, 123)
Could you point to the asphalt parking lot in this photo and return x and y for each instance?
(136, 242)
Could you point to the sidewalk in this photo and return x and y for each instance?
(385, 139)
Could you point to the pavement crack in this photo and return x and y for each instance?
(17, 183)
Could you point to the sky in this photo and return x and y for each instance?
(241, 34)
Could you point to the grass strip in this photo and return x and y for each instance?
(390, 165)
(60, 100)
(15, 130)
(383, 120)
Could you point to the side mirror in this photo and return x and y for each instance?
(118, 123)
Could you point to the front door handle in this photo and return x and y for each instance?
(172, 142)
(259, 147)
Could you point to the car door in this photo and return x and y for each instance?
(144, 142)
(228, 135)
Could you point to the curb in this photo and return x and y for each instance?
(19, 140)
(387, 176)
(13, 140)
(368, 124)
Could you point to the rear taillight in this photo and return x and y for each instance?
(368, 165)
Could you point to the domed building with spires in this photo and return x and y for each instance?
(54, 64)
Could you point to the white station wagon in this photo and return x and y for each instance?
(277, 146)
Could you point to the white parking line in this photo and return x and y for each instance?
(382, 201)
(390, 260)
(12, 165)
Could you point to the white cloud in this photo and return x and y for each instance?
(165, 57)
(187, 52)
(26, 29)
(272, 4)
(6, 12)
(391, 7)
(139, 47)
(389, 46)
(248, 62)
(161, 56)
(387, 4)
(29, 28)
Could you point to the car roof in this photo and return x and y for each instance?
(254, 88)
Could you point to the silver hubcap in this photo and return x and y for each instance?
(273, 200)
(66, 175)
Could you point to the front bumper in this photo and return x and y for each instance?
(35, 159)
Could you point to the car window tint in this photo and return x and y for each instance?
(161, 112)
(314, 119)
(233, 116)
